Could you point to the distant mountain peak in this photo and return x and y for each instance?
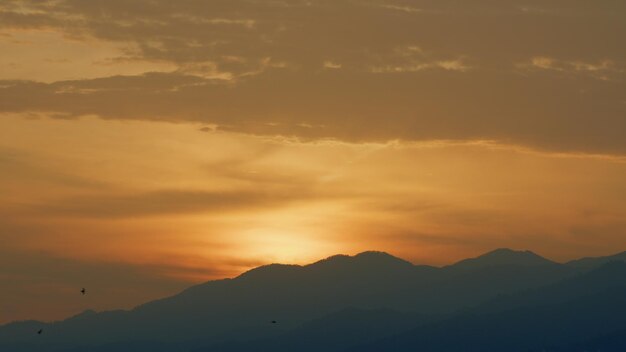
(505, 250)
(375, 254)
(508, 252)
(333, 258)
(380, 257)
(504, 256)
(593, 262)
(365, 260)
(368, 258)
(270, 270)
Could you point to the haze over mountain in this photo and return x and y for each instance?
(363, 302)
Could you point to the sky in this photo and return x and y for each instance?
(149, 145)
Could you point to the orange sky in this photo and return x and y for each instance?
(146, 146)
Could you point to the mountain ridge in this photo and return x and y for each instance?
(296, 294)
(549, 316)
(588, 262)
(503, 256)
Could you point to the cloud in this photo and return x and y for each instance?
(407, 9)
(452, 65)
(412, 58)
(425, 105)
(305, 33)
(23, 168)
(602, 69)
(435, 70)
(331, 64)
(161, 203)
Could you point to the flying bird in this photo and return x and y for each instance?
(274, 321)
(40, 331)
(83, 291)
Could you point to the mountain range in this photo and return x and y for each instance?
(504, 300)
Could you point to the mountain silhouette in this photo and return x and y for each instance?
(503, 257)
(593, 262)
(341, 301)
(539, 320)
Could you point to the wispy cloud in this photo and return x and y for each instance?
(402, 8)
(602, 69)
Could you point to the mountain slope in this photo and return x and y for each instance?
(574, 310)
(502, 257)
(594, 262)
(332, 333)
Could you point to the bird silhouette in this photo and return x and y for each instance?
(40, 331)
(83, 291)
(274, 321)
